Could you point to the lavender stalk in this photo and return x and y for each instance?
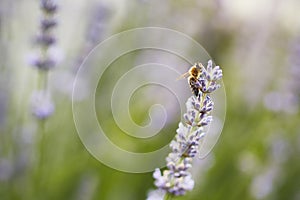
(41, 104)
(176, 180)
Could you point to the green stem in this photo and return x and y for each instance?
(41, 133)
(168, 196)
(40, 159)
(203, 99)
(43, 80)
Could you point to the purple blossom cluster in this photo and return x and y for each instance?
(176, 180)
(46, 39)
(41, 104)
(209, 77)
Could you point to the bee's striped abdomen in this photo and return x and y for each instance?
(194, 85)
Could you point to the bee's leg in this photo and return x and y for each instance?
(195, 91)
(195, 85)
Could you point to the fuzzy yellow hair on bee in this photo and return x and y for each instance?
(193, 75)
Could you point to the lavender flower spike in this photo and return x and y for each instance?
(42, 106)
(176, 180)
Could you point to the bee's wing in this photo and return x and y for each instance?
(185, 75)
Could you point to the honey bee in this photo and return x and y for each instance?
(193, 75)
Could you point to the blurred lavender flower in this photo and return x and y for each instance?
(43, 64)
(47, 24)
(176, 179)
(95, 31)
(209, 77)
(294, 69)
(286, 97)
(41, 105)
(97, 25)
(45, 39)
(156, 194)
(48, 6)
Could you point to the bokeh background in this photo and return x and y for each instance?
(257, 44)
